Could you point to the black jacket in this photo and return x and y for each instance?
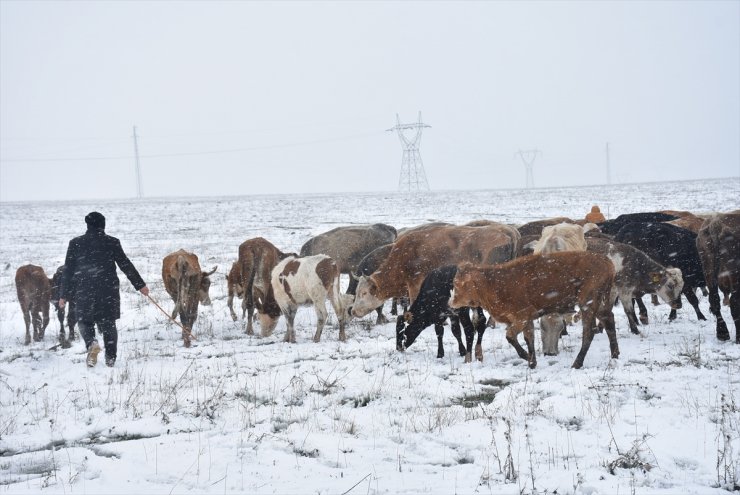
(91, 262)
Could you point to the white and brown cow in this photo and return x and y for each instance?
(187, 285)
(34, 290)
(557, 238)
(309, 281)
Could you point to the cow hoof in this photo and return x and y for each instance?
(65, 344)
(644, 320)
(440, 355)
(468, 357)
(533, 364)
(723, 336)
(28, 341)
(382, 320)
(577, 366)
(635, 331)
(702, 317)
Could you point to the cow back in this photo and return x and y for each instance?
(347, 246)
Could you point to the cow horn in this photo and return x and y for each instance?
(206, 274)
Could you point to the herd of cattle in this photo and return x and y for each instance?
(556, 270)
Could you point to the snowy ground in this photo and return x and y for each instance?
(248, 414)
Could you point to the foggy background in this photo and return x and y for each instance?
(238, 98)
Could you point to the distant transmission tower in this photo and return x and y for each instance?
(412, 176)
(528, 157)
(139, 193)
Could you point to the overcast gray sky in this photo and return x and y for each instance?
(304, 91)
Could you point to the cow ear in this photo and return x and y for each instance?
(408, 317)
(655, 277)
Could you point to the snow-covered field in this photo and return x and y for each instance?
(249, 414)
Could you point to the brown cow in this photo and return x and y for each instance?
(257, 258)
(718, 244)
(34, 291)
(187, 285)
(518, 292)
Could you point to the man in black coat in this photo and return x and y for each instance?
(91, 261)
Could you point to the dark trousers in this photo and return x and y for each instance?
(107, 328)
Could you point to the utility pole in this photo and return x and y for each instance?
(139, 194)
(528, 157)
(608, 167)
(412, 178)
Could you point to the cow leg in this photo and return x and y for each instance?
(735, 311)
(439, 329)
(381, 320)
(27, 321)
(36, 322)
(643, 310)
(480, 329)
(629, 310)
(607, 318)
(511, 337)
(463, 315)
(45, 316)
(589, 322)
(394, 306)
(714, 307)
(321, 315)
(289, 319)
(529, 339)
(455, 327)
(694, 301)
(248, 307)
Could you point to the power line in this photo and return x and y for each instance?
(194, 153)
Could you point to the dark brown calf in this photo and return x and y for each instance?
(718, 244)
(257, 258)
(187, 285)
(518, 292)
(34, 292)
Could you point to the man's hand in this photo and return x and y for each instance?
(144, 290)
(62, 302)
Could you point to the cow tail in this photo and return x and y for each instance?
(182, 267)
(337, 296)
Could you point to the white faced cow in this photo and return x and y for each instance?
(310, 280)
(187, 285)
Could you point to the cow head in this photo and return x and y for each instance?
(366, 298)
(406, 331)
(464, 292)
(670, 285)
(205, 285)
(552, 326)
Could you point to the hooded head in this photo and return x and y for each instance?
(95, 220)
(595, 209)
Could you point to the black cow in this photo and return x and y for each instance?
(56, 282)
(670, 246)
(431, 308)
(611, 227)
